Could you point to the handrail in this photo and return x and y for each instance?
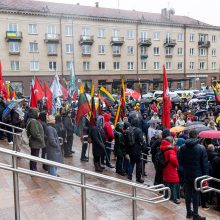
(12, 126)
(199, 184)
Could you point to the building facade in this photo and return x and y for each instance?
(41, 38)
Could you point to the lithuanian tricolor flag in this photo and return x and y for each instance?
(216, 88)
(11, 92)
(123, 99)
(83, 105)
(93, 109)
(106, 96)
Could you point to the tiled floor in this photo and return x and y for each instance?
(41, 199)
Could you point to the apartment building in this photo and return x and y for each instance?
(41, 38)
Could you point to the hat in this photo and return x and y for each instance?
(50, 119)
(157, 132)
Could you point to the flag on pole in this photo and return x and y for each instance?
(33, 102)
(106, 96)
(83, 105)
(57, 92)
(38, 91)
(166, 101)
(93, 109)
(122, 99)
(49, 97)
(3, 90)
(216, 89)
(99, 108)
(117, 118)
(72, 85)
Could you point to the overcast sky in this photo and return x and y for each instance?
(207, 11)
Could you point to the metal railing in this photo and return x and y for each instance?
(200, 185)
(160, 192)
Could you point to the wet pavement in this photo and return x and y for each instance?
(42, 199)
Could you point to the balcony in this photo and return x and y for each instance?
(168, 56)
(144, 56)
(169, 43)
(13, 36)
(145, 42)
(204, 44)
(52, 38)
(116, 54)
(87, 54)
(86, 40)
(14, 52)
(117, 41)
(52, 53)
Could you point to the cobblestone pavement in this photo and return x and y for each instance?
(41, 199)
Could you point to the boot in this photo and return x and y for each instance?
(98, 168)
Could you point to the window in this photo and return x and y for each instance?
(214, 52)
(86, 49)
(69, 64)
(52, 48)
(101, 32)
(51, 29)
(33, 47)
(168, 66)
(115, 33)
(32, 29)
(130, 50)
(156, 36)
(52, 65)
(68, 31)
(116, 65)
(130, 34)
(202, 65)
(203, 37)
(34, 66)
(86, 65)
(116, 49)
(101, 49)
(13, 27)
(168, 37)
(180, 37)
(156, 65)
(130, 65)
(192, 65)
(69, 48)
(180, 65)
(191, 51)
(85, 31)
(213, 65)
(213, 38)
(14, 47)
(143, 50)
(156, 51)
(180, 51)
(143, 65)
(202, 52)
(143, 35)
(101, 65)
(15, 65)
(168, 51)
(191, 37)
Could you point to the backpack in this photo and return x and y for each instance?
(130, 137)
(160, 162)
(24, 136)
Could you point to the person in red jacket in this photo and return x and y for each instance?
(109, 134)
(170, 173)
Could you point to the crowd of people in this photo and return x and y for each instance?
(178, 157)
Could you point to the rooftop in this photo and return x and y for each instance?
(49, 8)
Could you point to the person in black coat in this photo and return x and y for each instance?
(98, 142)
(194, 160)
(135, 151)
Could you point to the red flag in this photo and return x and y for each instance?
(49, 96)
(3, 90)
(38, 91)
(74, 96)
(132, 93)
(64, 91)
(33, 102)
(166, 101)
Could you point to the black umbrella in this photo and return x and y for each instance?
(154, 121)
(176, 99)
(195, 123)
(199, 113)
(194, 127)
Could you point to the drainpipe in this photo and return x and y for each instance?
(184, 68)
(61, 46)
(137, 51)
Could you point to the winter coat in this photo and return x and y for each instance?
(170, 174)
(35, 130)
(193, 157)
(54, 152)
(119, 149)
(67, 121)
(216, 170)
(109, 134)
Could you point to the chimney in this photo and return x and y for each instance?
(77, 3)
(96, 4)
(164, 12)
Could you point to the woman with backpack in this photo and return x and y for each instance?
(170, 173)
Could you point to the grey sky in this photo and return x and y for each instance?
(203, 10)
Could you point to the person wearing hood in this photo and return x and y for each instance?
(109, 137)
(35, 133)
(170, 174)
(135, 151)
(194, 160)
(54, 152)
(98, 142)
(119, 149)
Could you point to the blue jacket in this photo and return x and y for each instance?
(194, 160)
